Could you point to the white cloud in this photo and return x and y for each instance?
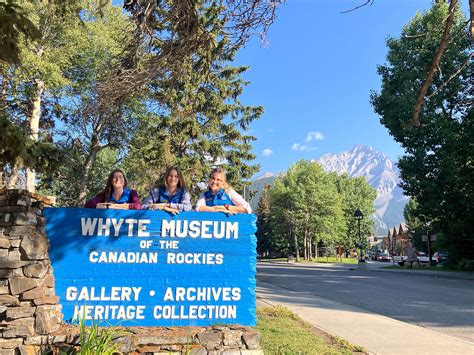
(297, 147)
(267, 152)
(316, 136)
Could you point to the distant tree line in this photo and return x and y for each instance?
(307, 207)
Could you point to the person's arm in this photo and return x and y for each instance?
(202, 207)
(148, 201)
(201, 204)
(92, 203)
(185, 204)
(240, 205)
(134, 201)
(211, 209)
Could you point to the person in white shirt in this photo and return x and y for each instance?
(220, 197)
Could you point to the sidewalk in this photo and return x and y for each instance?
(377, 334)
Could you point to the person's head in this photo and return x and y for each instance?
(173, 179)
(217, 180)
(116, 180)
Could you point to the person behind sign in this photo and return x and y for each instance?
(116, 195)
(172, 196)
(220, 197)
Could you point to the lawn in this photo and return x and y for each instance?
(332, 259)
(283, 332)
(322, 259)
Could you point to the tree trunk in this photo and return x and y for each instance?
(94, 149)
(305, 244)
(297, 249)
(435, 63)
(471, 10)
(34, 120)
(14, 176)
(310, 247)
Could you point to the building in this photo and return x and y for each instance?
(397, 240)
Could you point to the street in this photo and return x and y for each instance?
(445, 305)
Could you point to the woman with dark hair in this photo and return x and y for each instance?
(116, 195)
(172, 196)
(220, 197)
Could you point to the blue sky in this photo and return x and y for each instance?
(315, 76)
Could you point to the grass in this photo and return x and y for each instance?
(322, 259)
(283, 332)
(95, 340)
(332, 259)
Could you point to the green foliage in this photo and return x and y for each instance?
(264, 231)
(465, 265)
(14, 22)
(200, 121)
(356, 193)
(416, 225)
(188, 113)
(437, 167)
(95, 340)
(64, 181)
(305, 201)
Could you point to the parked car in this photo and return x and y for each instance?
(376, 254)
(423, 258)
(440, 257)
(384, 257)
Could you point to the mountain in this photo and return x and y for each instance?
(379, 171)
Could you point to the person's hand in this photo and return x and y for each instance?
(171, 210)
(158, 206)
(101, 205)
(118, 206)
(223, 209)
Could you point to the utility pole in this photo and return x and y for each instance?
(430, 252)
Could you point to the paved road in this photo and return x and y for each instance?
(442, 304)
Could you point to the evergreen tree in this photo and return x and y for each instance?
(29, 83)
(197, 121)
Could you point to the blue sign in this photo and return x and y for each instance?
(149, 268)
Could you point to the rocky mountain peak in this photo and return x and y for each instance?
(380, 172)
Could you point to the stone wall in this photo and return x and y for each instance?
(28, 304)
(30, 316)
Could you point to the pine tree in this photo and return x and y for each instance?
(197, 121)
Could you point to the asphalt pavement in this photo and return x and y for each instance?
(384, 311)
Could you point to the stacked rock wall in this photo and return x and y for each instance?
(28, 304)
(30, 316)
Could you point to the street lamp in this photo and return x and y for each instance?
(358, 216)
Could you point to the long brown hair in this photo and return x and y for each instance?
(109, 187)
(221, 171)
(181, 182)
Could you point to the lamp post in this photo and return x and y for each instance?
(358, 216)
